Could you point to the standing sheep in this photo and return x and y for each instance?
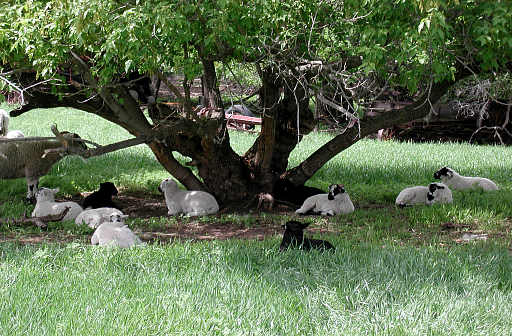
(115, 233)
(46, 205)
(335, 202)
(458, 182)
(25, 159)
(191, 203)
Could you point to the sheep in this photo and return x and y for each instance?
(412, 195)
(191, 203)
(102, 198)
(4, 122)
(46, 205)
(457, 182)
(434, 193)
(95, 217)
(439, 193)
(294, 237)
(284, 190)
(4, 127)
(115, 233)
(25, 159)
(335, 202)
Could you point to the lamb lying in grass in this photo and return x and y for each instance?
(293, 237)
(102, 198)
(95, 217)
(190, 203)
(46, 205)
(457, 182)
(439, 193)
(115, 233)
(335, 202)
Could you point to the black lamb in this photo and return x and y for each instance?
(293, 237)
(284, 190)
(102, 198)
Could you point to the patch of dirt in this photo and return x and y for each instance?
(145, 207)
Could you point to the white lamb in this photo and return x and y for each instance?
(115, 233)
(190, 203)
(4, 127)
(412, 195)
(335, 202)
(439, 193)
(95, 217)
(457, 182)
(420, 195)
(46, 205)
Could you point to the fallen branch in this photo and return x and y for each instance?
(40, 222)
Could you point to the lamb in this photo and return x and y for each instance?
(412, 195)
(434, 193)
(4, 122)
(102, 198)
(4, 127)
(458, 182)
(284, 190)
(191, 203)
(25, 159)
(46, 205)
(294, 237)
(95, 217)
(115, 233)
(335, 202)
(439, 193)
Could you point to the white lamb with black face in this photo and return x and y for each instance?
(336, 202)
(434, 193)
(439, 193)
(412, 195)
(188, 202)
(115, 233)
(46, 205)
(458, 182)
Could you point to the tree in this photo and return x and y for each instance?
(346, 54)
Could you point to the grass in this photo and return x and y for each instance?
(394, 272)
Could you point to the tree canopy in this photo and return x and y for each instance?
(345, 54)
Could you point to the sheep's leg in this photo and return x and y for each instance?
(173, 208)
(305, 208)
(32, 188)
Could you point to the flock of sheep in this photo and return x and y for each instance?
(33, 159)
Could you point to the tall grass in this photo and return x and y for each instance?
(248, 288)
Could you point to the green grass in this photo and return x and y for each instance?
(394, 272)
(247, 287)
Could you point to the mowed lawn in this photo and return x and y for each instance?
(394, 272)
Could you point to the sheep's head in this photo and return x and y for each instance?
(108, 188)
(46, 194)
(445, 171)
(168, 185)
(117, 218)
(335, 189)
(295, 226)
